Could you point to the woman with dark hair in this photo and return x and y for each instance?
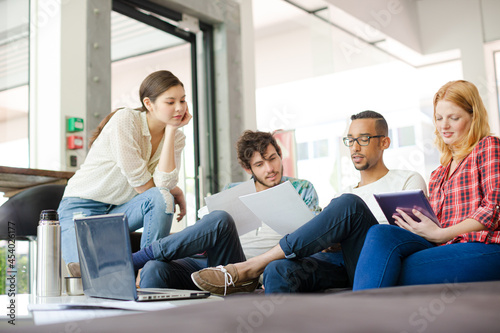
(465, 195)
(132, 166)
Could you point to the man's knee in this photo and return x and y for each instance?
(348, 200)
(155, 274)
(352, 208)
(222, 220)
(274, 268)
(279, 277)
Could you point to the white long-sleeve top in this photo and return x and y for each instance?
(120, 159)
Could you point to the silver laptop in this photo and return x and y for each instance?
(106, 262)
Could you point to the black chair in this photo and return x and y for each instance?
(23, 209)
(22, 213)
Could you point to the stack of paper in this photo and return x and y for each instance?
(280, 207)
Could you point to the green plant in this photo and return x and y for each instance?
(22, 272)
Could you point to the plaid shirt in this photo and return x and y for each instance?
(472, 191)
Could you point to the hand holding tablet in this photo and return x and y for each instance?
(405, 201)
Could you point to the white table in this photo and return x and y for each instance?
(50, 310)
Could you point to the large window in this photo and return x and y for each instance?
(315, 85)
(14, 102)
(14, 82)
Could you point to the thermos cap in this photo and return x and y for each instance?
(49, 215)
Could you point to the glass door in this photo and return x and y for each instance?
(145, 38)
(14, 83)
(14, 121)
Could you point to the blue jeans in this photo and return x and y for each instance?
(394, 256)
(144, 210)
(346, 220)
(215, 233)
(320, 271)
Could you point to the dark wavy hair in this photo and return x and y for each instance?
(251, 142)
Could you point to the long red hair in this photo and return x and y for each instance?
(465, 95)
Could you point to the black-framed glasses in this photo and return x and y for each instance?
(363, 140)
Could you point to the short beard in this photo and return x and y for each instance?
(259, 181)
(363, 167)
(264, 184)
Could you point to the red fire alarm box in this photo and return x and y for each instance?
(75, 142)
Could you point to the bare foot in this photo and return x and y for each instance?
(254, 267)
(249, 270)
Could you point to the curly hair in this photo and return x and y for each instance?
(251, 142)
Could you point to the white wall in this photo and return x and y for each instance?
(432, 26)
(248, 64)
(428, 26)
(465, 25)
(454, 24)
(491, 23)
(58, 78)
(45, 85)
(396, 18)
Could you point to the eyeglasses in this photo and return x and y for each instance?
(362, 140)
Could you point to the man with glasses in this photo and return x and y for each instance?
(323, 253)
(367, 139)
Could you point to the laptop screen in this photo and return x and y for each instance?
(105, 256)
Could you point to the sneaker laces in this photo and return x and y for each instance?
(228, 279)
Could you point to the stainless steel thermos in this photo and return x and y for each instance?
(48, 276)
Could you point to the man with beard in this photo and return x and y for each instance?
(169, 262)
(334, 266)
(367, 139)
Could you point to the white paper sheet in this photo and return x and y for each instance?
(97, 304)
(228, 201)
(63, 309)
(54, 317)
(91, 308)
(280, 207)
